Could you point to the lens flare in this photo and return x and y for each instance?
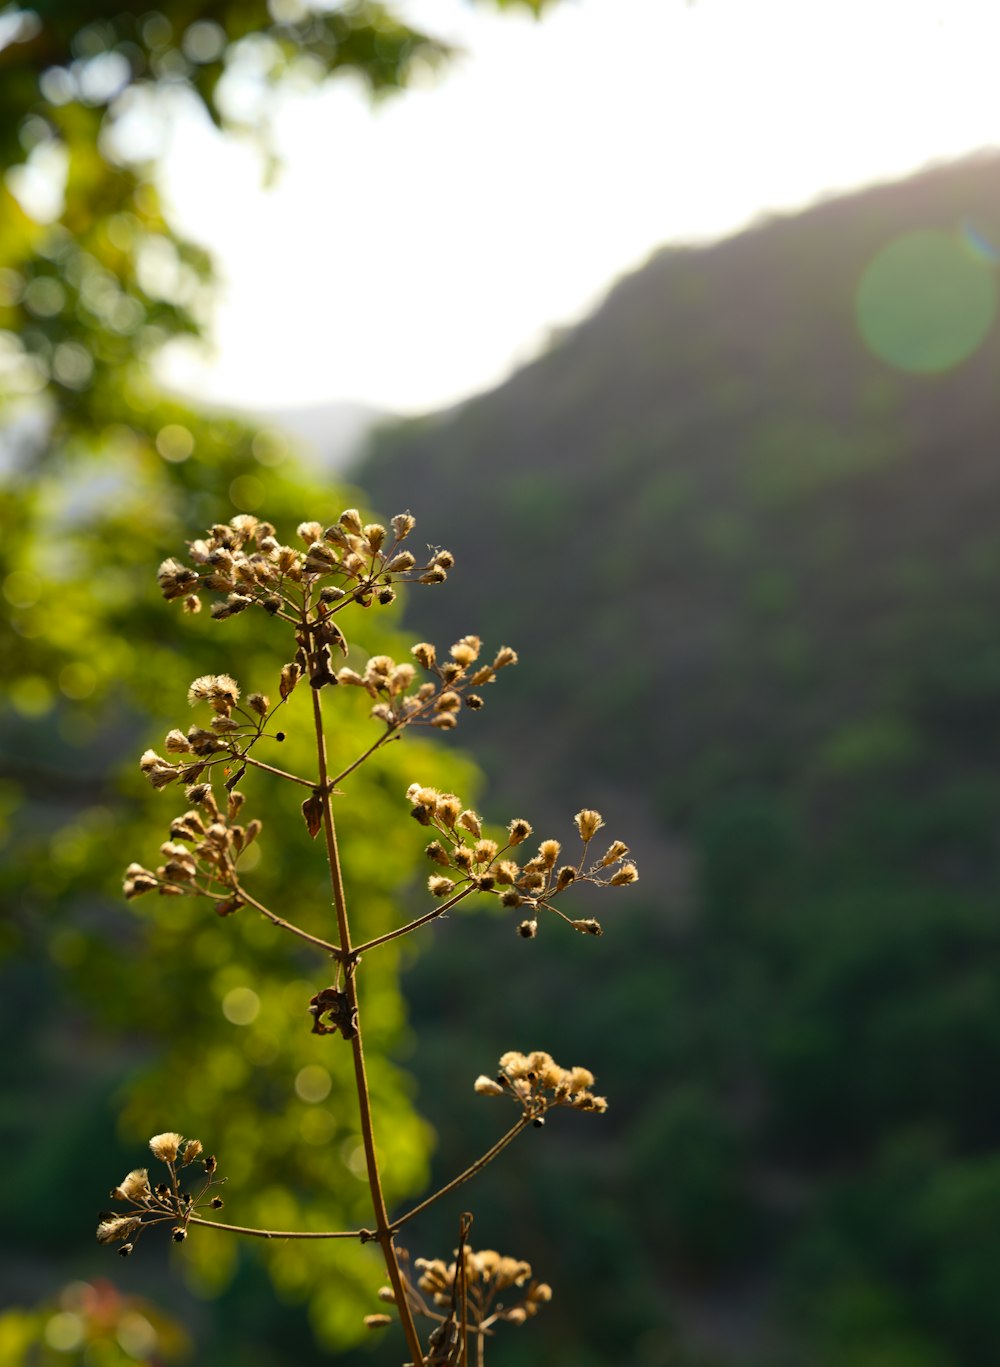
(924, 303)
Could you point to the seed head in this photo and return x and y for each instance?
(165, 1146)
(588, 823)
(628, 873)
(519, 830)
(133, 1187)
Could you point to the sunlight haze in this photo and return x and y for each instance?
(415, 252)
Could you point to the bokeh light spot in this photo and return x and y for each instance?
(31, 695)
(241, 1005)
(174, 442)
(72, 365)
(22, 589)
(77, 680)
(924, 303)
(317, 1127)
(247, 493)
(313, 1083)
(269, 447)
(64, 1332)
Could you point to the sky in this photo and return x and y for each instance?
(410, 254)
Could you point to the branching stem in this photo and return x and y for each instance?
(383, 1231)
(470, 1171)
(432, 915)
(280, 921)
(280, 1233)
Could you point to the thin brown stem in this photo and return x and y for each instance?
(244, 758)
(280, 921)
(358, 950)
(383, 1232)
(280, 1233)
(382, 740)
(470, 1171)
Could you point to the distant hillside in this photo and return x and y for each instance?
(711, 499)
(753, 572)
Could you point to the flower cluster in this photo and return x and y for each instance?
(244, 561)
(538, 1084)
(487, 1277)
(478, 864)
(432, 703)
(230, 734)
(201, 854)
(166, 1202)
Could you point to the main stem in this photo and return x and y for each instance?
(383, 1232)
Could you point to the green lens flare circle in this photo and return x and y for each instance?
(925, 303)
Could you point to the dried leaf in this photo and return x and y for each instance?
(312, 810)
(331, 1011)
(290, 675)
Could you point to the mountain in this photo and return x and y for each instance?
(743, 525)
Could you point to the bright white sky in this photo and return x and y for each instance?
(414, 253)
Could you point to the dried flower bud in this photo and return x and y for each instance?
(628, 873)
(448, 808)
(588, 823)
(465, 651)
(434, 576)
(443, 558)
(473, 701)
(377, 1321)
(425, 654)
(374, 534)
(403, 524)
(615, 852)
(564, 877)
(192, 1150)
(548, 852)
(176, 743)
(527, 929)
(519, 830)
(510, 898)
(290, 675)
(165, 1146)
(436, 851)
(486, 1086)
(505, 656)
(350, 519)
(259, 703)
(178, 1234)
(400, 563)
(469, 821)
(133, 1187)
(115, 1227)
(588, 927)
(439, 886)
(309, 532)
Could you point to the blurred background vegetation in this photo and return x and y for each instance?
(742, 526)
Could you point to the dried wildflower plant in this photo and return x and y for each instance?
(351, 565)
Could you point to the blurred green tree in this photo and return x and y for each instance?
(101, 475)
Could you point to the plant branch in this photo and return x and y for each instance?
(358, 950)
(281, 1233)
(470, 1171)
(279, 921)
(243, 758)
(383, 1232)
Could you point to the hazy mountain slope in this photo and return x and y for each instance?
(753, 573)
